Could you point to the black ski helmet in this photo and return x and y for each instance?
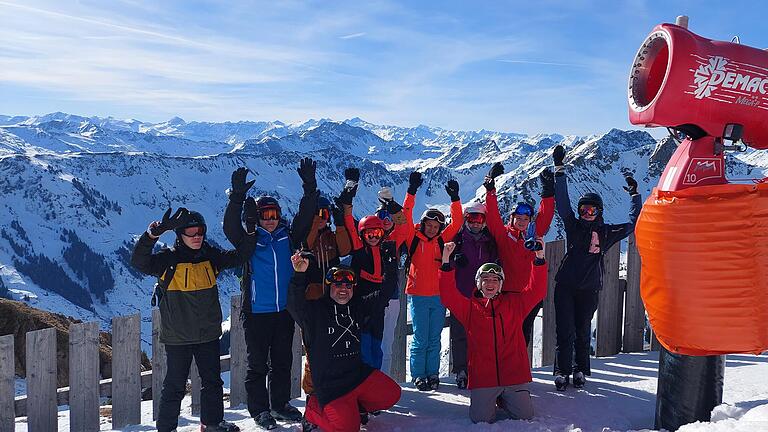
(323, 202)
(435, 215)
(266, 201)
(591, 198)
(195, 220)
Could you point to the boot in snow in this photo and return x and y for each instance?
(306, 426)
(265, 421)
(561, 382)
(579, 380)
(421, 384)
(224, 426)
(461, 380)
(434, 382)
(287, 413)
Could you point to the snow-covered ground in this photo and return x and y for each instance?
(620, 396)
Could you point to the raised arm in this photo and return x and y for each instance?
(619, 232)
(457, 218)
(450, 296)
(143, 258)
(233, 228)
(235, 257)
(537, 284)
(297, 302)
(414, 182)
(547, 204)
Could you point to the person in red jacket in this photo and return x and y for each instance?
(518, 256)
(498, 359)
(424, 243)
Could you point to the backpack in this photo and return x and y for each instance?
(415, 244)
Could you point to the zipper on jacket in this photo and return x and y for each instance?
(277, 284)
(186, 277)
(208, 275)
(495, 345)
(501, 319)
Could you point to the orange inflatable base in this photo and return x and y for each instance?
(704, 282)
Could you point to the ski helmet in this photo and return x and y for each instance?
(476, 207)
(591, 198)
(323, 202)
(369, 222)
(489, 268)
(435, 215)
(523, 208)
(195, 220)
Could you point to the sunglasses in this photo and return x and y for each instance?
(373, 233)
(324, 213)
(198, 231)
(475, 218)
(269, 214)
(343, 277)
(523, 209)
(384, 215)
(589, 210)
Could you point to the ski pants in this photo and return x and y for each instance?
(528, 323)
(574, 310)
(178, 360)
(458, 345)
(378, 392)
(269, 344)
(428, 317)
(515, 403)
(391, 315)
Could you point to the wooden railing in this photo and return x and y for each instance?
(620, 327)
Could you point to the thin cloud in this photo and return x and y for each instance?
(544, 63)
(352, 36)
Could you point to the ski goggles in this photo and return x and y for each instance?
(198, 231)
(269, 213)
(523, 209)
(324, 213)
(491, 269)
(589, 210)
(475, 218)
(373, 233)
(340, 277)
(435, 216)
(384, 215)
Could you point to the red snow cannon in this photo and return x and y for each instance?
(703, 241)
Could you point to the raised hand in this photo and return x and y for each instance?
(496, 170)
(307, 168)
(352, 174)
(300, 264)
(631, 186)
(452, 187)
(547, 178)
(169, 222)
(448, 249)
(540, 251)
(239, 185)
(558, 155)
(415, 181)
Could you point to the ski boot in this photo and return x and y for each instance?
(579, 380)
(434, 382)
(287, 413)
(265, 421)
(561, 382)
(224, 426)
(421, 384)
(461, 380)
(306, 426)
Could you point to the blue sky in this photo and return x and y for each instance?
(532, 66)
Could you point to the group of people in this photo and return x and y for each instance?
(338, 279)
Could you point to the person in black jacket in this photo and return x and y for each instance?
(268, 326)
(580, 277)
(190, 311)
(344, 384)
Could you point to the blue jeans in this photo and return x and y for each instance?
(370, 350)
(428, 316)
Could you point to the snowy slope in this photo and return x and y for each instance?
(620, 396)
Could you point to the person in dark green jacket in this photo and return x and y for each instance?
(190, 312)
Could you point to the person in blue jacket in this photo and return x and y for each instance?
(268, 326)
(580, 276)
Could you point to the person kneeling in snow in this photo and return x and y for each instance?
(344, 385)
(498, 359)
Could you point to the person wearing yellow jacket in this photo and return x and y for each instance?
(424, 242)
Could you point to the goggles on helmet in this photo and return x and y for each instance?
(383, 214)
(373, 233)
(476, 218)
(270, 213)
(336, 276)
(198, 231)
(589, 210)
(324, 213)
(435, 216)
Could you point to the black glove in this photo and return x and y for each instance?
(239, 185)
(346, 195)
(558, 155)
(489, 183)
(415, 181)
(251, 212)
(306, 170)
(547, 179)
(631, 186)
(393, 207)
(461, 260)
(338, 214)
(352, 174)
(452, 187)
(169, 222)
(496, 170)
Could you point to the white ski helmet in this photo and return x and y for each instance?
(475, 207)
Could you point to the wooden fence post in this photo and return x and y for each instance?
(555, 251)
(194, 376)
(7, 384)
(84, 377)
(237, 353)
(297, 366)
(158, 363)
(634, 311)
(611, 301)
(126, 371)
(42, 409)
(397, 368)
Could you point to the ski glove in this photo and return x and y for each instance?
(169, 222)
(496, 170)
(307, 168)
(452, 187)
(489, 183)
(239, 185)
(558, 155)
(385, 195)
(547, 179)
(631, 186)
(338, 215)
(415, 181)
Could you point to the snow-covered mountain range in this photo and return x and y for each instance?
(77, 191)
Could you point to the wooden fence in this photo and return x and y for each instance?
(620, 327)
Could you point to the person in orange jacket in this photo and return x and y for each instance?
(425, 243)
(518, 256)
